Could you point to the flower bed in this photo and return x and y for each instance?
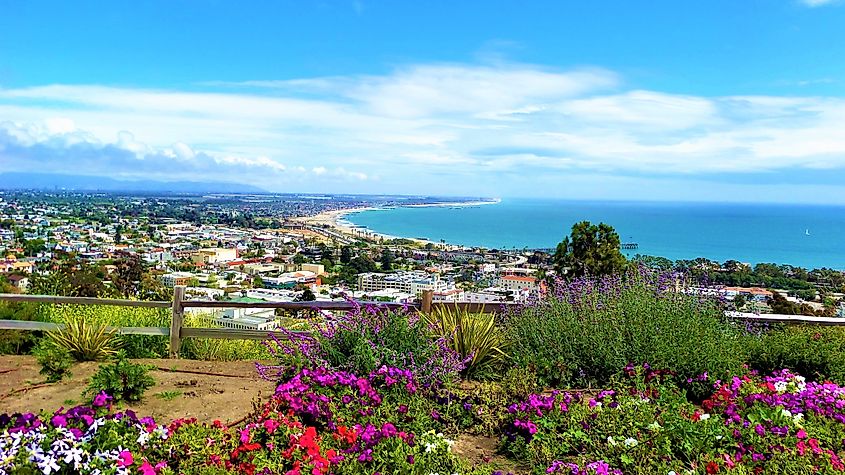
(322, 421)
(378, 392)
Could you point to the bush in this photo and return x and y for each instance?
(589, 329)
(122, 380)
(366, 339)
(474, 336)
(17, 342)
(84, 341)
(55, 361)
(818, 352)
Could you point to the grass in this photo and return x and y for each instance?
(168, 395)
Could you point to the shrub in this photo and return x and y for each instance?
(818, 352)
(588, 329)
(474, 336)
(55, 360)
(520, 381)
(366, 339)
(85, 341)
(17, 342)
(122, 380)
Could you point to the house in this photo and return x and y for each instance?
(20, 282)
(756, 294)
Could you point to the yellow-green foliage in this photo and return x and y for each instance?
(211, 349)
(108, 315)
(85, 341)
(474, 335)
(136, 346)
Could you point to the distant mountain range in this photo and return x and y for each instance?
(48, 181)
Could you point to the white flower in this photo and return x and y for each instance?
(161, 431)
(610, 440)
(798, 417)
(630, 442)
(786, 412)
(143, 438)
(704, 417)
(780, 386)
(718, 437)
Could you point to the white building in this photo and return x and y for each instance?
(414, 283)
(517, 282)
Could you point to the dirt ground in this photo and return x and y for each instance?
(227, 395)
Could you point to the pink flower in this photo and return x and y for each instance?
(59, 421)
(271, 425)
(801, 434)
(101, 399)
(147, 469)
(124, 458)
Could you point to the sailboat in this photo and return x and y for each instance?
(807, 232)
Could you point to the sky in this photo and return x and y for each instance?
(721, 100)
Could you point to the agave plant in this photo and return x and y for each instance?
(85, 341)
(475, 336)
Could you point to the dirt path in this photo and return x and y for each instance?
(227, 398)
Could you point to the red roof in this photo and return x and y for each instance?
(519, 278)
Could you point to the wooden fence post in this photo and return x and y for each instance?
(176, 321)
(427, 296)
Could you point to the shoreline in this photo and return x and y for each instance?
(335, 219)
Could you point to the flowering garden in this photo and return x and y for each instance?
(386, 392)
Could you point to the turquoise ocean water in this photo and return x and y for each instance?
(803, 235)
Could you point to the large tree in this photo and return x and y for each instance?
(589, 250)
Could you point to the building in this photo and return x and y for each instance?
(20, 282)
(517, 282)
(173, 279)
(291, 279)
(756, 294)
(214, 255)
(12, 265)
(318, 269)
(414, 283)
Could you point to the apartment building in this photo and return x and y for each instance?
(414, 283)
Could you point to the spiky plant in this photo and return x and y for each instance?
(86, 341)
(475, 336)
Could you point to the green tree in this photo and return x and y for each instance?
(387, 259)
(306, 296)
(345, 255)
(33, 246)
(362, 264)
(739, 301)
(128, 274)
(589, 250)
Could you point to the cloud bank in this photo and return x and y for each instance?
(429, 128)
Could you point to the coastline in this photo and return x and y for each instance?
(335, 218)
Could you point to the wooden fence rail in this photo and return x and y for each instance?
(177, 331)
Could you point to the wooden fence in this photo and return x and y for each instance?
(177, 332)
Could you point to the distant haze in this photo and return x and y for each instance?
(44, 181)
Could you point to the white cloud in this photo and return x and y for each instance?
(817, 3)
(419, 129)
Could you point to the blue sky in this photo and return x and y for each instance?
(667, 100)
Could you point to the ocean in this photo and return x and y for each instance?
(810, 236)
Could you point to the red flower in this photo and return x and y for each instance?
(712, 467)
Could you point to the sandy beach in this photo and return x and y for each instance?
(334, 218)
